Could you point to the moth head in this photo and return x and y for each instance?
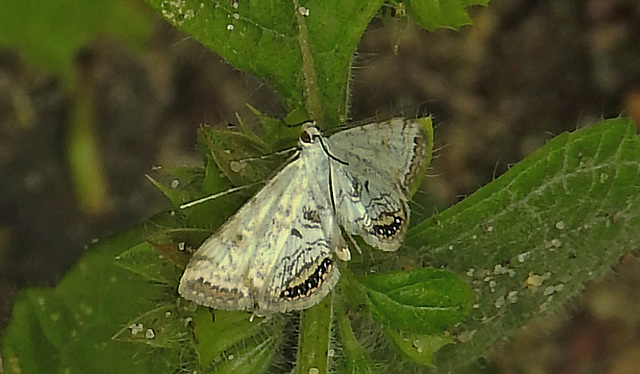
(309, 134)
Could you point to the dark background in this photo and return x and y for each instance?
(524, 72)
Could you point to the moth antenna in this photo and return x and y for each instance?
(217, 195)
(324, 148)
(268, 155)
(239, 188)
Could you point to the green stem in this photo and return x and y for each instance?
(311, 91)
(315, 332)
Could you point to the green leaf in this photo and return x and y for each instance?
(254, 357)
(69, 328)
(185, 184)
(238, 156)
(162, 327)
(145, 260)
(301, 56)
(529, 241)
(234, 342)
(302, 48)
(425, 300)
(434, 14)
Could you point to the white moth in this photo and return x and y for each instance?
(276, 253)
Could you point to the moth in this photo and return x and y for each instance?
(279, 251)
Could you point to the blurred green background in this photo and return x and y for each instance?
(93, 94)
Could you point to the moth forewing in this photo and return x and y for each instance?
(227, 267)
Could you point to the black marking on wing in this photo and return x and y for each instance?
(290, 262)
(309, 285)
(311, 215)
(417, 162)
(383, 199)
(296, 232)
(391, 229)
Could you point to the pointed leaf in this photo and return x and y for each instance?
(161, 327)
(434, 14)
(265, 39)
(69, 328)
(529, 241)
(145, 260)
(425, 300)
(225, 340)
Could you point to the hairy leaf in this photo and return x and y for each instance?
(529, 241)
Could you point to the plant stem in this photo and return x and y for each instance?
(315, 332)
(314, 106)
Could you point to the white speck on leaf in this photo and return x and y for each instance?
(136, 328)
(544, 306)
(533, 281)
(604, 177)
(549, 290)
(303, 11)
(523, 256)
(236, 166)
(470, 272)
